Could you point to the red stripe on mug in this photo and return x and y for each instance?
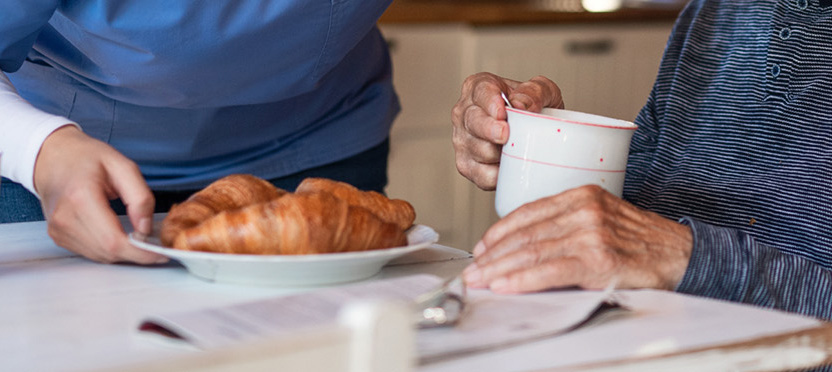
(562, 166)
(630, 126)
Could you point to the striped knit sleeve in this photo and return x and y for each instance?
(729, 264)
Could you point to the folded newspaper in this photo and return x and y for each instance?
(489, 321)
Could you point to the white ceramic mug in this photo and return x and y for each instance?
(556, 150)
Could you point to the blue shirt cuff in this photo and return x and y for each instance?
(718, 266)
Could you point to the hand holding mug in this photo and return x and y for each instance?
(479, 120)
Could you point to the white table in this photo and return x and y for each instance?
(62, 312)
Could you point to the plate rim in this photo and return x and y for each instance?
(342, 256)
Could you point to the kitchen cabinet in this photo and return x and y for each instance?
(428, 68)
(602, 68)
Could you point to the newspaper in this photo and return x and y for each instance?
(489, 321)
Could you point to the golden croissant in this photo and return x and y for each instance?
(228, 193)
(396, 211)
(296, 223)
(248, 215)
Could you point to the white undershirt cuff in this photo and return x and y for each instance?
(23, 129)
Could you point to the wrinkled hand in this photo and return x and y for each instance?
(76, 176)
(583, 237)
(479, 119)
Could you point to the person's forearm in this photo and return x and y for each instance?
(23, 128)
(729, 264)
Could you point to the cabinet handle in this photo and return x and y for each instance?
(392, 44)
(589, 47)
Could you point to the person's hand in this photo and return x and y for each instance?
(76, 176)
(479, 119)
(584, 237)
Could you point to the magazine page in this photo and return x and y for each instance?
(489, 320)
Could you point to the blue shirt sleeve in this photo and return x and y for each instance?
(729, 264)
(20, 24)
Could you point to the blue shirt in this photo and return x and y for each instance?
(192, 90)
(736, 142)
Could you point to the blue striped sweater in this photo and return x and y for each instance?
(736, 142)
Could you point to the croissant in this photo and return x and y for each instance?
(297, 223)
(396, 211)
(228, 193)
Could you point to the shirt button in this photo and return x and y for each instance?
(785, 33)
(775, 70)
(802, 4)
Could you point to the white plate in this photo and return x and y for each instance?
(289, 270)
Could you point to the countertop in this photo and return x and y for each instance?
(507, 12)
(61, 312)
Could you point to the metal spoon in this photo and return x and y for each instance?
(443, 306)
(506, 99)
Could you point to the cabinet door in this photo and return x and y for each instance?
(602, 69)
(428, 71)
(421, 172)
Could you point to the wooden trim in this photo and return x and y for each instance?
(811, 348)
(508, 12)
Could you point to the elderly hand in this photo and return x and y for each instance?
(583, 237)
(76, 176)
(479, 119)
